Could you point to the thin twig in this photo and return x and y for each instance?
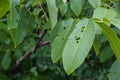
(18, 62)
(44, 12)
(44, 44)
(21, 59)
(39, 41)
(33, 50)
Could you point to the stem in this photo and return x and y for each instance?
(44, 12)
(33, 50)
(20, 60)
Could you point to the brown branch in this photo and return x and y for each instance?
(18, 62)
(21, 59)
(33, 50)
(44, 43)
(39, 41)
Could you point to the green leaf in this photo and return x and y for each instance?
(78, 45)
(96, 43)
(64, 1)
(76, 6)
(25, 23)
(95, 3)
(98, 29)
(110, 14)
(54, 32)
(13, 19)
(60, 40)
(52, 12)
(35, 2)
(4, 7)
(3, 26)
(116, 23)
(114, 71)
(47, 25)
(14, 3)
(6, 60)
(14, 15)
(18, 33)
(31, 23)
(96, 47)
(4, 39)
(69, 12)
(117, 6)
(63, 8)
(18, 53)
(100, 13)
(36, 12)
(106, 54)
(112, 38)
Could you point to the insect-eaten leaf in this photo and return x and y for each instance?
(78, 45)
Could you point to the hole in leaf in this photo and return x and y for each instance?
(77, 38)
(77, 41)
(82, 29)
(64, 28)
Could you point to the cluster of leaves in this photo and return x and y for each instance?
(75, 28)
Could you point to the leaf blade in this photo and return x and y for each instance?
(6, 60)
(76, 6)
(4, 7)
(112, 38)
(116, 23)
(60, 40)
(18, 32)
(95, 3)
(52, 12)
(101, 13)
(114, 71)
(74, 52)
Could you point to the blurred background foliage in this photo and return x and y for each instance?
(39, 65)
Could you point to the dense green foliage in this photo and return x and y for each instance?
(65, 39)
